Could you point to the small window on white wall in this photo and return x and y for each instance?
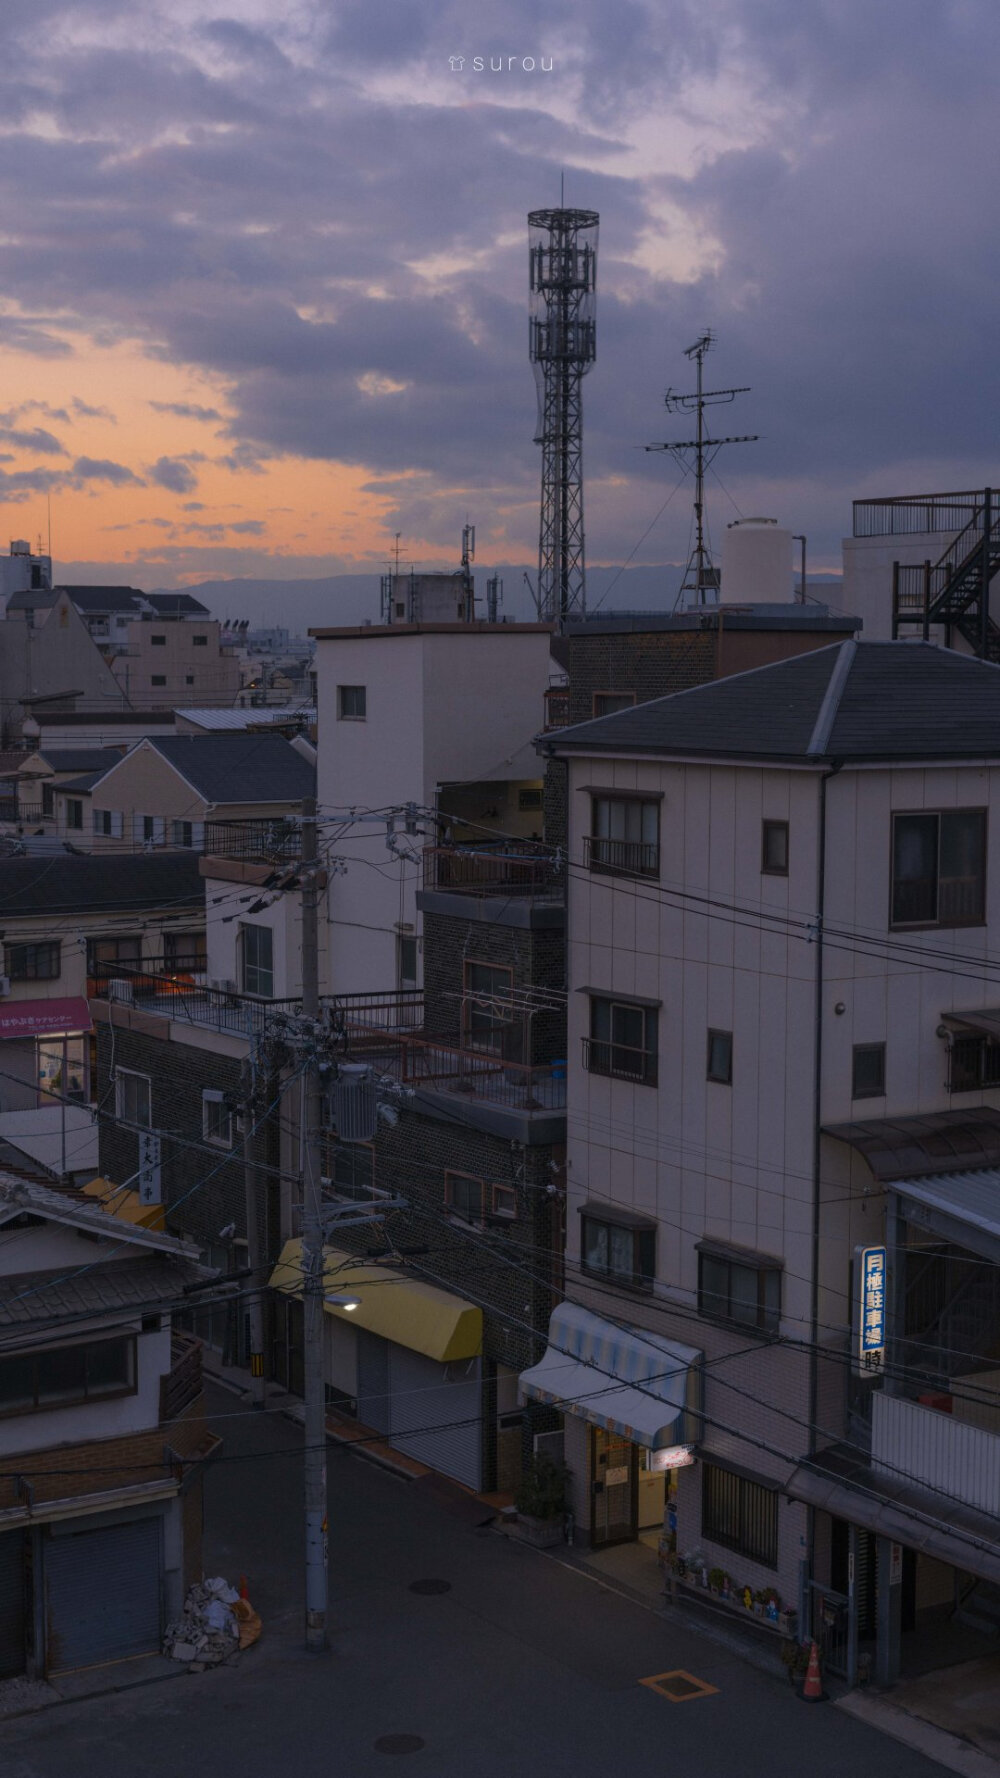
(351, 703)
(216, 1119)
(133, 1099)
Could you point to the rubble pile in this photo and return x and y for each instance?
(207, 1632)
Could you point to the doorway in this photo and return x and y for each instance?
(614, 1489)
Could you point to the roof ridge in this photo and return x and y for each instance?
(826, 716)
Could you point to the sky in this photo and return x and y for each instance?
(263, 287)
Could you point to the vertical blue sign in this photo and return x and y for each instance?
(871, 1321)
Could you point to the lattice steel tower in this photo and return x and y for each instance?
(562, 247)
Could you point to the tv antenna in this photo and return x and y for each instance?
(700, 585)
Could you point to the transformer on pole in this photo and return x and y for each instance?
(562, 248)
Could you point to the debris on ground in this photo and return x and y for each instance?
(215, 1623)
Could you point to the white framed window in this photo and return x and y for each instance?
(352, 703)
(133, 1099)
(504, 1201)
(256, 960)
(216, 1118)
(110, 822)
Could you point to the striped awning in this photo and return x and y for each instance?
(637, 1384)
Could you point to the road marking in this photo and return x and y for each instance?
(679, 1686)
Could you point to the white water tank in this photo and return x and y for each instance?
(756, 563)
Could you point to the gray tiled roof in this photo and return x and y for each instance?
(110, 1284)
(853, 701)
(80, 759)
(231, 768)
(115, 882)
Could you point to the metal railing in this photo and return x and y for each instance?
(507, 868)
(275, 841)
(418, 1060)
(372, 1016)
(182, 1384)
(556, 708)
(619, 1061)
(909, 515)
(632, 858)
(166, 987)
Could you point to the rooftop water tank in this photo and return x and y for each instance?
(756, 563)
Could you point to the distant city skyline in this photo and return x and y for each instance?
(264, 291)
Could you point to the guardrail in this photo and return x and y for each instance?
(908, 515)
(508, 868)
(262, 841)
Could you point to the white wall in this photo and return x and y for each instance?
(98, 1419)
(865, 589)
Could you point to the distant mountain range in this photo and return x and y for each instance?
(296, 605)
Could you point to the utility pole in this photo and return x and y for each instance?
(312, 1257)
(255, 1258)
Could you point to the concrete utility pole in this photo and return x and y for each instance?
(312, 1257)
(255, 1258)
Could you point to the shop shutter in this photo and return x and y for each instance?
(373, 1381)
(437, 1413)
(12, 1614)
(102, 1595)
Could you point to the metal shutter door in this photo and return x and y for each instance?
(11, 1604)
(102, 1595)
(373, 1381)
(437, 1413)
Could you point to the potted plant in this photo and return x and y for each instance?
(788, 1621)
(716, 1579)
(541, 1501)
(795, 1659)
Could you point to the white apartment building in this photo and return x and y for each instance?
(437, 715)
(784, 922)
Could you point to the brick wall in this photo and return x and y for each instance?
(536, 958)
(651, 664)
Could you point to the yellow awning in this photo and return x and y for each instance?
(120, 1201)
(406, 1310)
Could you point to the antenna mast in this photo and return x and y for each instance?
(700, 585)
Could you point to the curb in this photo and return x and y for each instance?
(937, 1744)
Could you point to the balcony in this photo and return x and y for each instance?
(509, 868)
(914, 1442)
(621, 858)
(385, 1030)
(619, 1061)
(276, 841)
(167, 987)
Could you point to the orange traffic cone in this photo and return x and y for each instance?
(244, 1594)
(812, 1689)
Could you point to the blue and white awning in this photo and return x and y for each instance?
(637, 1384)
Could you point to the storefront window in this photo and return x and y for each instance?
(62, 1068)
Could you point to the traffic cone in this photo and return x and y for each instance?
(244, 1594)
(812, 1689)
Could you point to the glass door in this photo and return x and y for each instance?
(614, 1489)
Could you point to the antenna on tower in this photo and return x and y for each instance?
(700, 585)
(562, 258)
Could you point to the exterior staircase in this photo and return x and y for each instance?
(954, 591)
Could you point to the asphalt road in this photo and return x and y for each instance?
(523, 1666)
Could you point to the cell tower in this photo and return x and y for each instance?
(562, 246)
(700, 585)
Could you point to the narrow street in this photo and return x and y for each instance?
(521, 1666)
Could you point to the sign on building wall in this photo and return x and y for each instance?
(871, 1311)
(149, 1168)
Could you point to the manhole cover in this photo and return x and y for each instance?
(398, 1744)
(430, 1586)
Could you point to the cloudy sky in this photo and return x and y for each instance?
(263, 284)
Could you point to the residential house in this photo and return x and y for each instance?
(68, 922)
(41, 772)
(783, 917)
(102, 1434)
(167, 790)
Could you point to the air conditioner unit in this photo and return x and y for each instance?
(223, 983)
(121, 990)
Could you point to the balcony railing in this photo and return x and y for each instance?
(556, 707)
(914, 514)
(507, 868)
(182, 1384)
(165, 986)
(914, 1442)
(278, 841)
(418, 1060)
(627, 858)
(619, 1061)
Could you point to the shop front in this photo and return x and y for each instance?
(632, 1402)
(45, 1079)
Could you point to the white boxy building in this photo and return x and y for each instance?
(784, 926)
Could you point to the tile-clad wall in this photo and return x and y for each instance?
(651, 664)
(536, 959)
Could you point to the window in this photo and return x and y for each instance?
(74, 813)
(939, 869)
(625, 1252)
(133, 1099)
(622, 1041)
(65, 1374)
(607, 702)
(199, 642)
(104, 951)
(158, 679)
(33, 963)
(504, 1201)
(975, 1064)
(624, 836)
(158, 641)
(182, 833)
(189, 679)
(216, 1119)
(109, 822)
(868, 1071)
(256, 960)
(719, 1065)
(740, 1514)
(184, 951)
(528, 799)
(62, 1069)
(774, 849)
(351, 703)
(487, 1009)
(744, 1290)
(351, 1169)
(406, 961)
(464, 1196)
(48, 792)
